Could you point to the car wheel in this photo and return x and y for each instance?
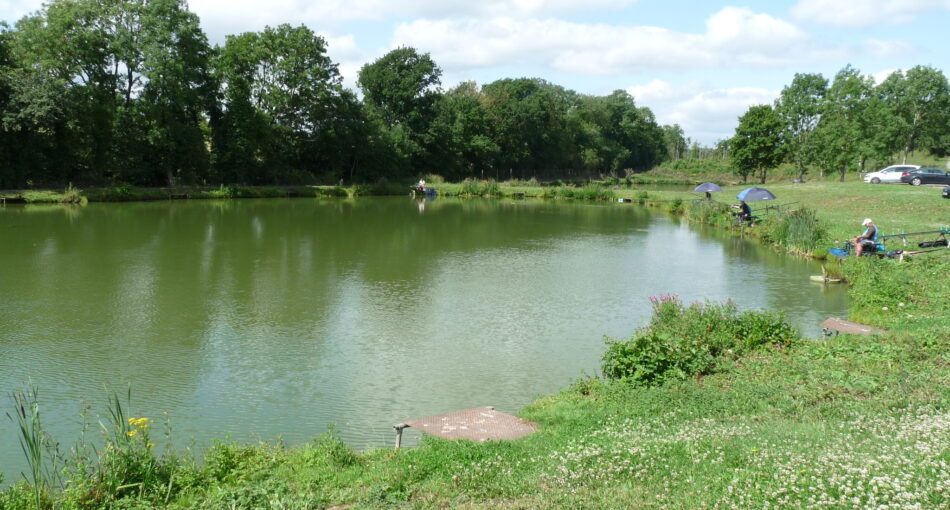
(915, 181)
(875, 180)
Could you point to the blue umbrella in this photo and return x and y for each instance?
(708, 187)
(755, 195)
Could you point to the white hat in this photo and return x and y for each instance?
(866, 222)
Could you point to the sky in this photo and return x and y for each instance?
(699, 64)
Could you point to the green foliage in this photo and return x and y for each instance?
(798, 230)
(381, 188)
(799, 108)
(675, 206)
(475, 188)
(757, 146)
(642, 197)
(682, 342)
(709, 212)
(595, 192)
(35, 443)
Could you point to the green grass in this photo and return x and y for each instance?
(838, 422)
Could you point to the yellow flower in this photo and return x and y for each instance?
(132, 433)
(141, 423)
(150, 445)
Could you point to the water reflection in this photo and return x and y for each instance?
(279, 317)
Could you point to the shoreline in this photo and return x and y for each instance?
(797, 395)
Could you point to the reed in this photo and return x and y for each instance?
(798, 230)
(34, 442)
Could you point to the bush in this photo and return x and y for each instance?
(709, 212)
(676, 206)
(800, 230)
(682, 342)
(469, 188)
(595, 192)
(381, 188)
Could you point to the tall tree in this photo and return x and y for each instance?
(402, 86)
(757, 144)
(280, 95)
(462, 130)
(919, 102)
(799, 108)
(528, 118)
(845, 129)
(675, 140)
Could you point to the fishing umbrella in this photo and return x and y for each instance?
(754, 194)
(707, 187)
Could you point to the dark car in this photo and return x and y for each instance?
(946, 192)
(925, 176)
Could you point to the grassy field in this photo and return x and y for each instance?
(838, 422)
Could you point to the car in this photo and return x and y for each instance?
(889, 174)
(946, 192)
(926, 176)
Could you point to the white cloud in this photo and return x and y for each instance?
(863, 13)
(12, 10)
(886, 49)
(733, 37)
(222, 17)
(706, 113)
(347, 55)
(880, 76)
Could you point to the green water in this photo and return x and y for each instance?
(263, 318)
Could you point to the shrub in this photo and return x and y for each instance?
(709, 212)
(800, 230)
(72, 195)
(469, 188)
(381, 188)
(489, 188)
(676, 206)
(681, 342)
(642, 197)
(594, 192)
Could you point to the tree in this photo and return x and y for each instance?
(281, 95)
(675, 140)
(845, 131)
(176, 94)
(799, 108)
(919, 102)
(613, 134)
(528, 119)
(401, 88)
(462, 132)
(757, 144)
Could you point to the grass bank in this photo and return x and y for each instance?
(742, 414)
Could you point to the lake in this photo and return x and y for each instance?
(259, 319)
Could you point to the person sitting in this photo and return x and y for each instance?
(745, 212)
(867, 240)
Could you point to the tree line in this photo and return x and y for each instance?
(97, 92)
(845, 125)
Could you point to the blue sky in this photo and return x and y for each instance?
(698, 64)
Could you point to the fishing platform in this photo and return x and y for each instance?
(834, 325)
(477, 424)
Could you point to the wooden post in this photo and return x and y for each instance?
(398, 428)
